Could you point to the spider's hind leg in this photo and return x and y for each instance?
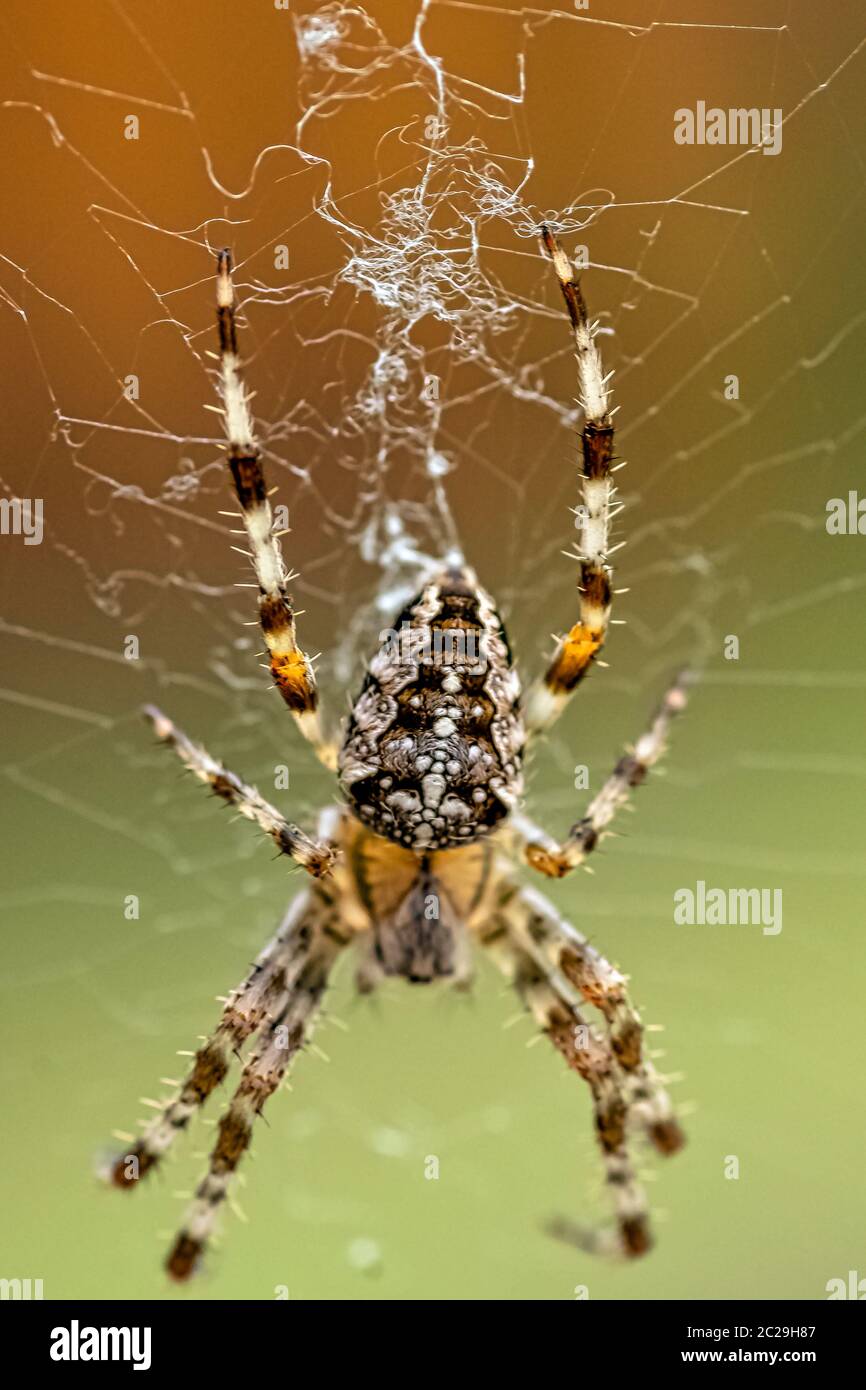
(551, 1001)
(600, 984)
(247, 1009)
(282, 1037)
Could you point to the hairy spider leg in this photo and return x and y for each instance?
(290, 667)
(576, 651)
(556, 860)
(280, 1040)
(249, 1006)
(317, 857)
(551, 1001)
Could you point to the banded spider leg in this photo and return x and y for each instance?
(554, 1005)
(277, 1003)
(576, 651)
(290, 666)
(317, 857)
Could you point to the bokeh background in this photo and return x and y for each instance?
(305, 128)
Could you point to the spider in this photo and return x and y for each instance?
(421, 858)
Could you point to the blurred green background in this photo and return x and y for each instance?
(705, 262)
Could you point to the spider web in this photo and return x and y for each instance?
(381, 174)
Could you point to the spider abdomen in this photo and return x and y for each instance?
(432, 752)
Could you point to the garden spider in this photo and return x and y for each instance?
(421, 857)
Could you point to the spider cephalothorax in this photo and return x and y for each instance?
(419, 864)
(432, 750)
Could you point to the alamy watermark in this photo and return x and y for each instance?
(77, 1343)
(722, 907)
(22, 516)
(20, 1289)
(852, 1287)
(420, 646)
(736, 125)
(846, 516)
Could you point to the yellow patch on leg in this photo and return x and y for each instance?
(293, 678)
(575, 653)
(546, 861)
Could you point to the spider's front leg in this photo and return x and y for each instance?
(317, 857)
(290, 667)
(576, 651)
(555, 860)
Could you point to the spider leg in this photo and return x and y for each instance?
(602, 985)
(279, 1042)
(246, 1009)
(316, 856)
(550, 1000)
(576, 651)
(290, 667)
(556, 860)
